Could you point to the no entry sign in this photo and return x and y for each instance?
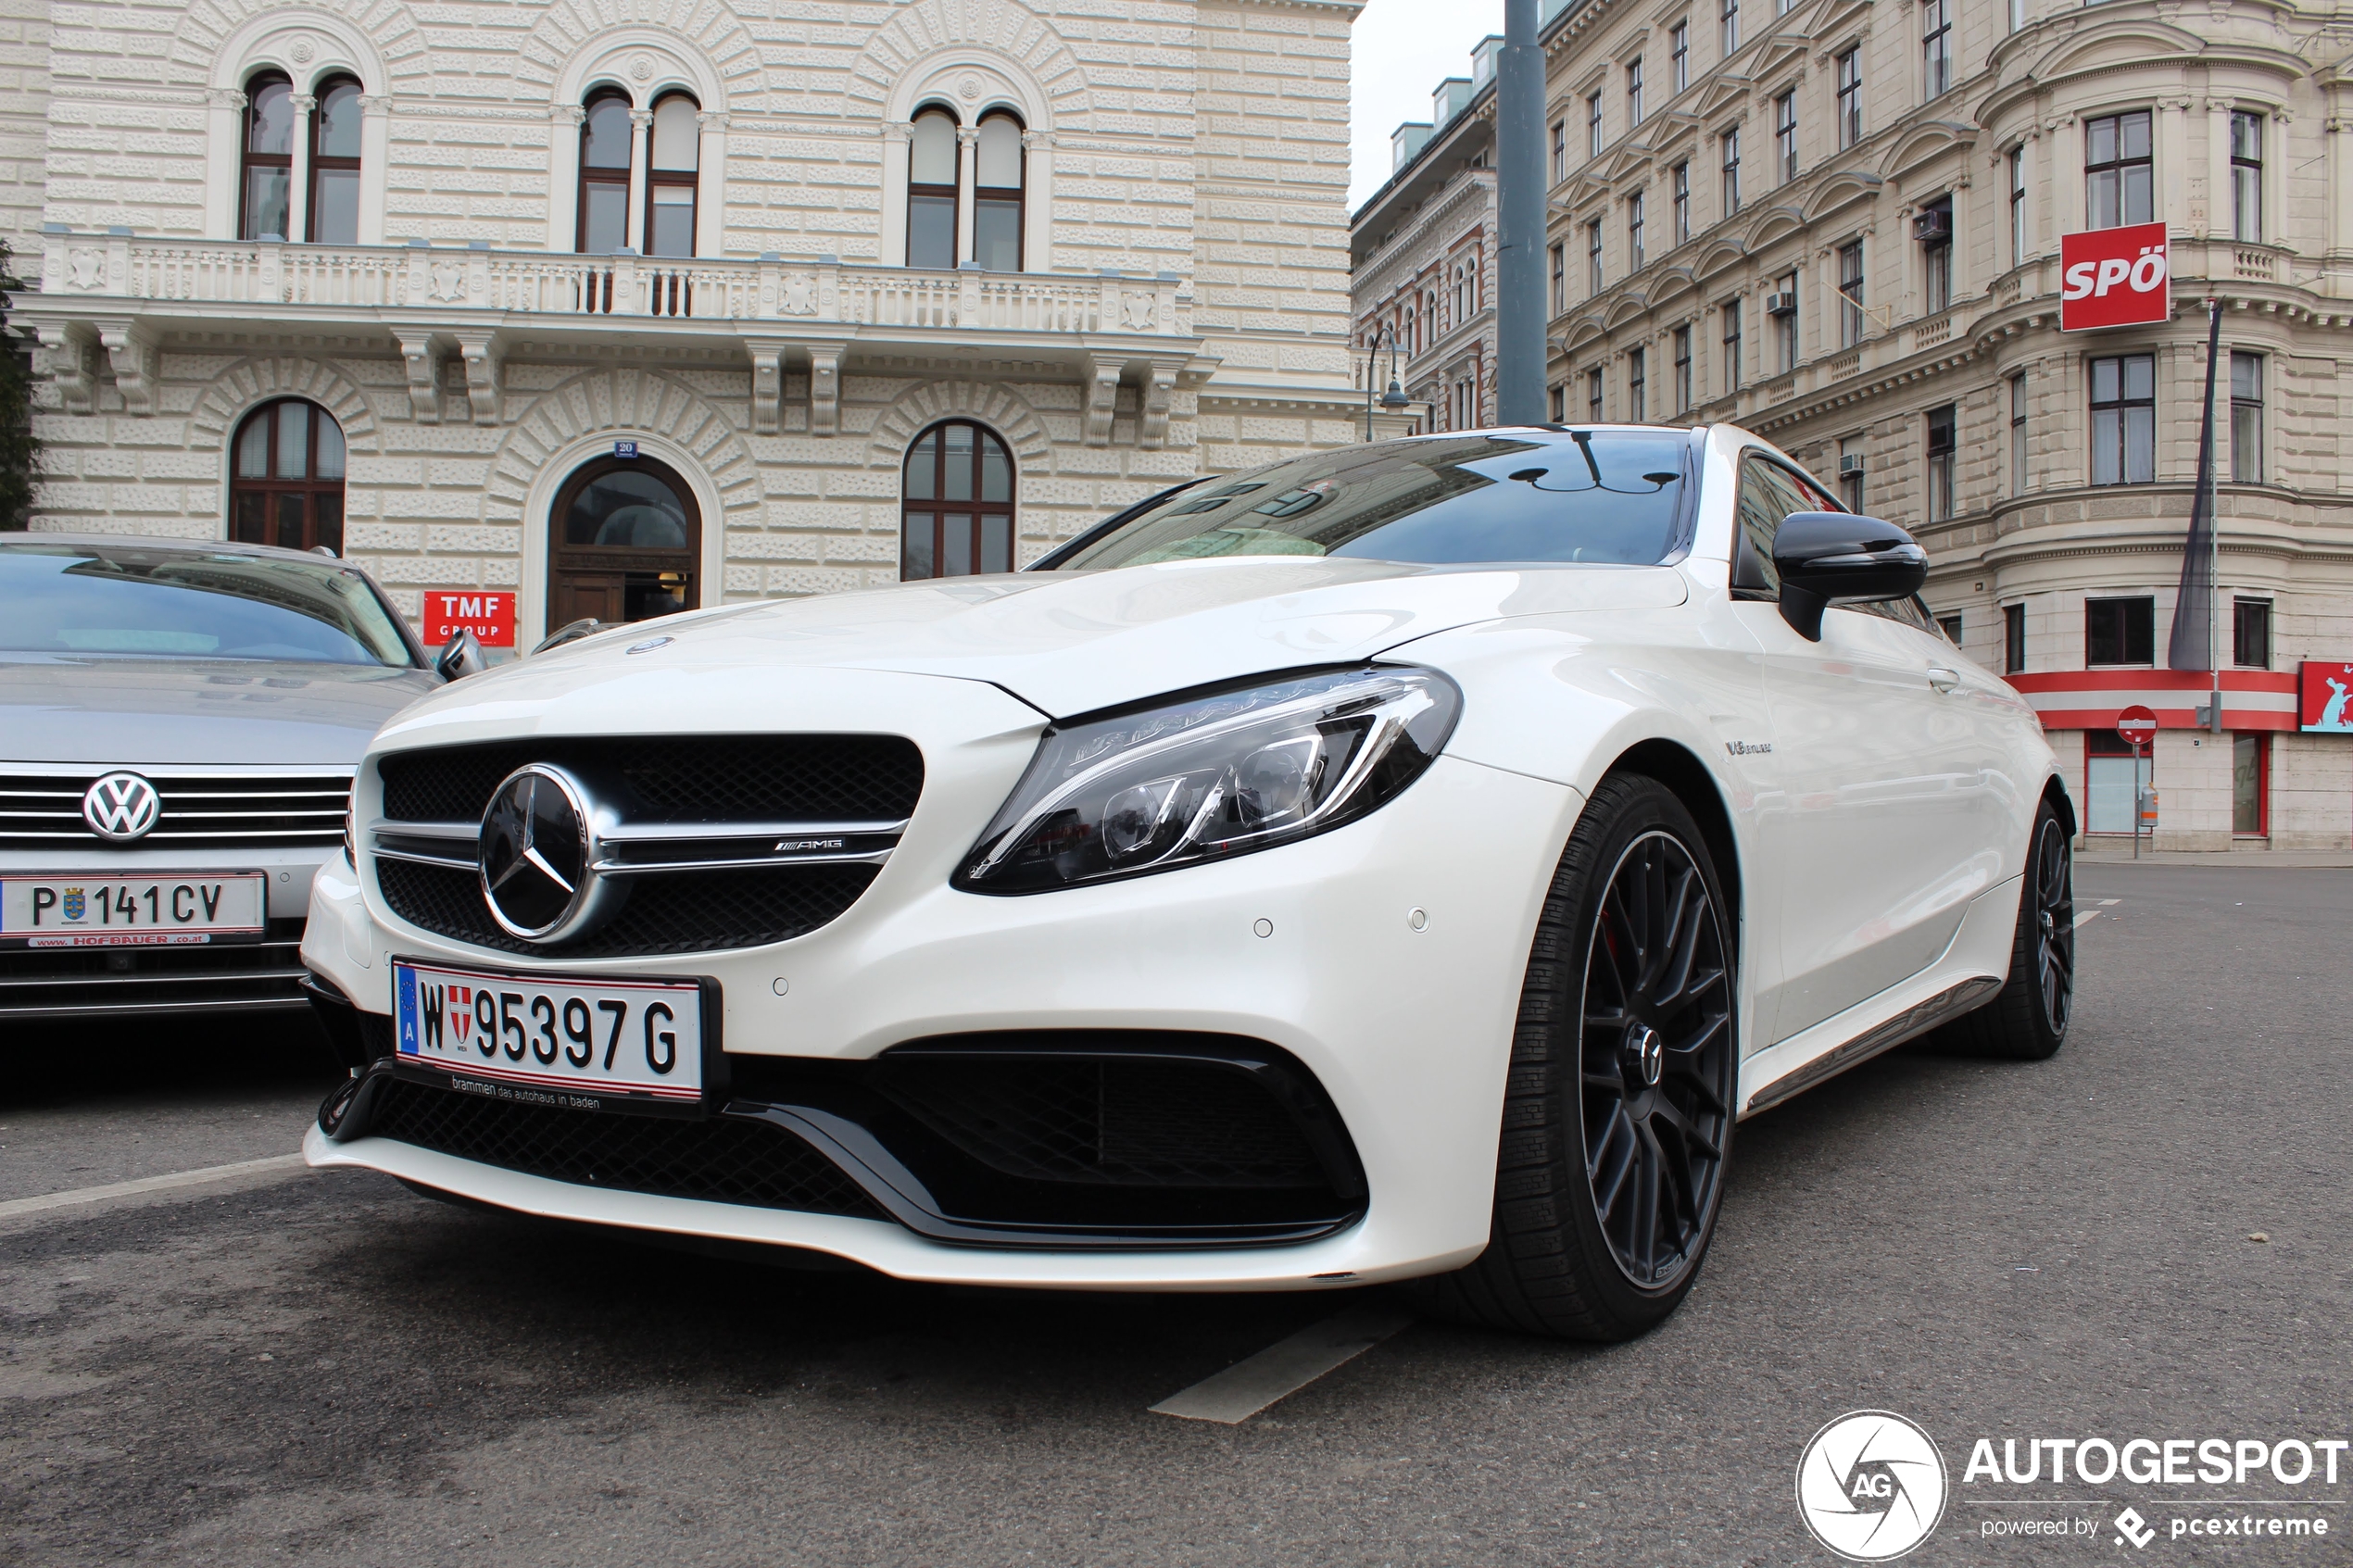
(2136, 724)
(2114, 278)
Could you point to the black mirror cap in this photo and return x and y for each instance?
(459, 657)
(1822, 557)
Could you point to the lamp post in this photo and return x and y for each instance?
(1394, 398)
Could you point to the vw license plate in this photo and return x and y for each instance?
(501, 1034)
(110, 910)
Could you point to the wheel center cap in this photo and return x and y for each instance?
(1645, 1054)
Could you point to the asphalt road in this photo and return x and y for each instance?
(323, 1368)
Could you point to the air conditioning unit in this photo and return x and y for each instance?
(1781, 302)
(1933, 227)
(1850, 462)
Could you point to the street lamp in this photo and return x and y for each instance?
(1394, 398)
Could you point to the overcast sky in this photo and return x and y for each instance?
(1403, 49)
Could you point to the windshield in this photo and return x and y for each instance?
(77, 599)
(1603, 496)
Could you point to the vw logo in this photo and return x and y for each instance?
(120, 806)
(538, 855)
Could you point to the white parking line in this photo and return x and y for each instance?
(17, 1206)
(2105, 903)
(2085, 918)
(1284, 1367)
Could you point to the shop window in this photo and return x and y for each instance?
(2119, 630)
(2013, 639)
(269, 158)
(2251, 767)
(2251, 633)
(2111, 777)
(956, 511)
(285, 478)
(334, 163)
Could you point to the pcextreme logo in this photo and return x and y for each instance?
(1871, 1486)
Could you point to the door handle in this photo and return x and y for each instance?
(1944, 679)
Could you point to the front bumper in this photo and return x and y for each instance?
(67, 984)
(1385, 958)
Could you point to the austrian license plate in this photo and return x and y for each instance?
(529, 1036)
(108, 909)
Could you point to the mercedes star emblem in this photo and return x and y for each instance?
(538, 855)
(120, 806)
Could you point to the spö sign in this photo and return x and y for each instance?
(2114, 278)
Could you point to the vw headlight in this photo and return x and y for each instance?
(1212, 775)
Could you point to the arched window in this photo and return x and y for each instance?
(931, 191)
(605, 137)
(285, 478)
(268, 156)
(956, 507)
(334, 163)
(997, 193)
(670, 189)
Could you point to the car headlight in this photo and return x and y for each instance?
(1210, 776)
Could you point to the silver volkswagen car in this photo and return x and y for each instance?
(179, 724)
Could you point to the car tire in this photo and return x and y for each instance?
(2027, 1020)
(1623, 1070)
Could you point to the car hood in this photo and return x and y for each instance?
(148, 712)
(1069, 642)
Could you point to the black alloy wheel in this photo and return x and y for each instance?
(2051, 886)
(1619, 1102)
(1658, 1054)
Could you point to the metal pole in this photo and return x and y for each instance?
(1519, 201)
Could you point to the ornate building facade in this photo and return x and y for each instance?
(1837, 223)
(628, 308)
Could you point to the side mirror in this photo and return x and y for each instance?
(1825, 557)
(461, 657)
(570, 633)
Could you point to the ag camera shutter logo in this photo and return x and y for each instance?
(1871, 1486)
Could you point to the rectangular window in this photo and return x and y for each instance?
(1850, 96)
(1785, 135)
(1936, 47)
(1634, 232)
(2250, 759)
(2013, 639)
(1680, 54)
(1593, 256)
(1942, 429)
(2018, 205)
(1683, 370)
(1727, 17)
(1560, 151)
(1593, 396)
(1729, 145)
(1560, 278)
(1559, 393)
(2017, 433)
(2014, 15)
(1936, 257)
(2251, 633)
(1682, 202)
(1784, 314)
(1951, 626)
(2117, 179)
(1850, 473)
(1638, 389)
(1594, 126)
(1731, 309)
(1633, 92)
(2124, 419)
(2246, 419)
(1850, 319)
(2246, 176)
(2119, 630)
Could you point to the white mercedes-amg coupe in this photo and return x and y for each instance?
(1407, 863)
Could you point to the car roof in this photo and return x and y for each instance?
(157, 542)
